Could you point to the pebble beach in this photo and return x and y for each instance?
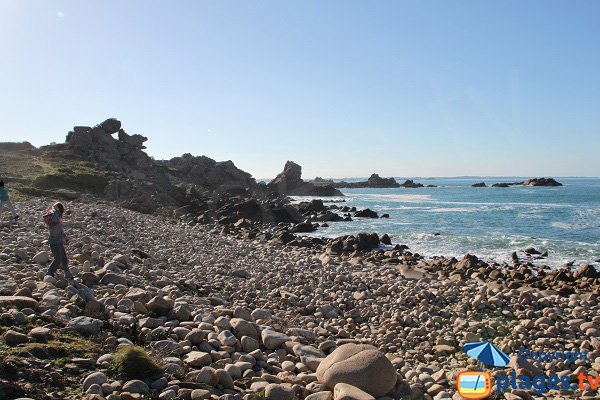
(226, 317)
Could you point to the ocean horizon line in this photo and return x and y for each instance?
(450, 177)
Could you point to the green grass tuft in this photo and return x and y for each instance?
(133, 362)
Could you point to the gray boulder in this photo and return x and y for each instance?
(86, 326)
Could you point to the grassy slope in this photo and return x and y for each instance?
(37, 172)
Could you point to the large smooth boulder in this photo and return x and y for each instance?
(358, 365)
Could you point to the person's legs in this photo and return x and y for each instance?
(57, 254)
(12, 208)
(65, 262)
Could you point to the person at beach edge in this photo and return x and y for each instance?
(5, 199)
(56, 240)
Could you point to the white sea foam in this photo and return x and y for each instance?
(454, 209)
(399, 197)
(562, 225)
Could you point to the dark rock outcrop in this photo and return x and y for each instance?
(289, 183)
(530, 182)
(366, 213)
(374, 181)
(409, 183)
(480, 184)
(347, 244)
(541, 182)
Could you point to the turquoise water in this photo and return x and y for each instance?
(488, 222)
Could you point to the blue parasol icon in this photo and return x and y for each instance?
(487, 353)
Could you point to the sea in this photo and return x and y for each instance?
(454, 218)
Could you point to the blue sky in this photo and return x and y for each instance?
(344, 88)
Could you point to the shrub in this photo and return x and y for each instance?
(132, 362)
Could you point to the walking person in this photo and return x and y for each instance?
(56, 240)
(5, 199)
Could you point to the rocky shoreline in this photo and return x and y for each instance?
(235, 312)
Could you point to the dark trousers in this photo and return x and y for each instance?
(60, 259)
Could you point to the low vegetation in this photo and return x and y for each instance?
(133, 362)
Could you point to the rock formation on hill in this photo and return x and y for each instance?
(146, 185)
(97, 144)
(95, 163)
(289, 183)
